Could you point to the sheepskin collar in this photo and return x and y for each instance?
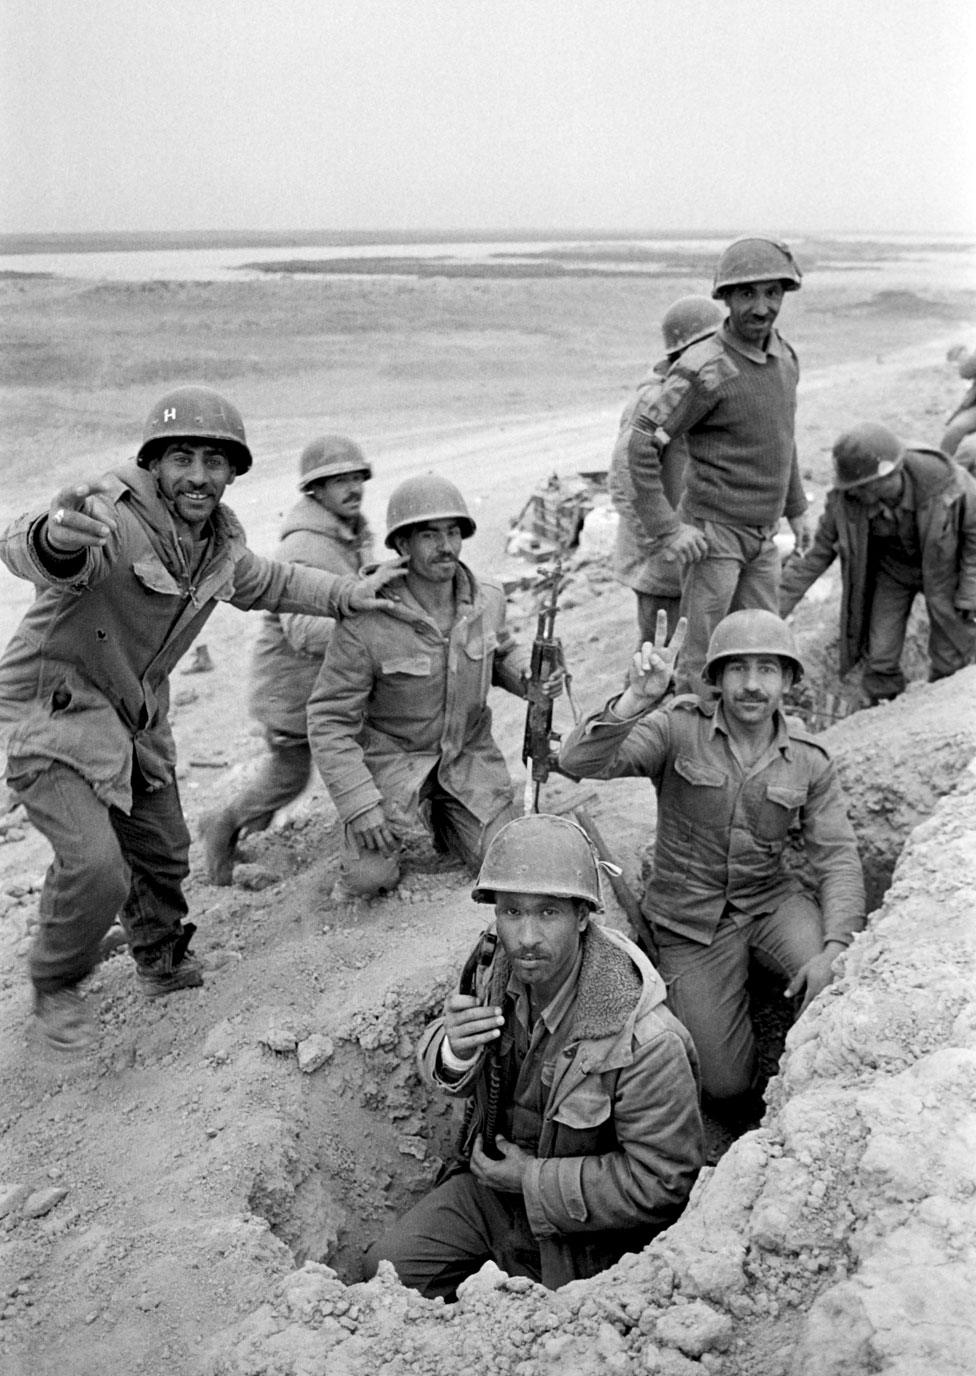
(609, 986)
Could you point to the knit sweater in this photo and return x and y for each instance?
(736, 405)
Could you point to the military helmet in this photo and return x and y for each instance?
(865, 452)
(752, 632)
(426, 497)
(756, 260)
(330, 456)
(197, 413)
(688, 320)
(540, 854)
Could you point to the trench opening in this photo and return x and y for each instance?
(376, 1138)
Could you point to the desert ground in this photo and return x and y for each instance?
(193, 1196)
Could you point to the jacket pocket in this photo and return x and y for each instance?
(155, 577)
(585, 1107)
(777, 811)
(696, 797)
(416, 666)
(480, 646)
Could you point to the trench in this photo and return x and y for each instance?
(374, 1138)
(371, 1142)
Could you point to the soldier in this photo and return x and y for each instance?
(962, 422)
(733, 396)
(583, 1136)
(903, 522)
(734, 778)
(128, 569)
(398, 720)
(326, 530)
(646, 565)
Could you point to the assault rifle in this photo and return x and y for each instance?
(547, 656)
(476, 979)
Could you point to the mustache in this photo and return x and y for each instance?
(751, 695)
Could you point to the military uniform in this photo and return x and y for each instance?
(721, 888)
(926, 543)
(601, 1091)
(399, 716)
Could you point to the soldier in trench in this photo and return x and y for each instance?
(735, 779)
(583, 1136)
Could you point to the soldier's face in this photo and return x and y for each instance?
(880, 491)
(341, 495)
(192, 475)
(541, 935)
(753, 308)
(752, 687)
(433, 550)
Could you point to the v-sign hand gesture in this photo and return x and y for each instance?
(652, 668)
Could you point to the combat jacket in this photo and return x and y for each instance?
(638, 561)
(620, 1140)
(945, 507)
(85, 678)
(290, 648)
(722, 831)
(396, 699)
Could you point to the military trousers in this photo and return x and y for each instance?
(455, 831)
(107, 864)
(740, 571)
(708, 985)
(452, 1232)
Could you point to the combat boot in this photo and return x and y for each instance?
(171, 968)
(218, 832)
(62, 1020)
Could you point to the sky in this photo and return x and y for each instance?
(776, 115)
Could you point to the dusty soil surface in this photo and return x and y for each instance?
(157, 1196)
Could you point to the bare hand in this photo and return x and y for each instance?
(365, 596)
(813, 977)
(555, 683)
(71, 525)
(652, 668)
(507, 1174)
(688, 545)
(470, 1025)
(802, 529)
(371, 831)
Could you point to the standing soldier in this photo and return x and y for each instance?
(128, 568)
(962, 422)
(399, 721)
(326, 530)
(645, 565)
(903, 522)
(733, 396)
(734, 778)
